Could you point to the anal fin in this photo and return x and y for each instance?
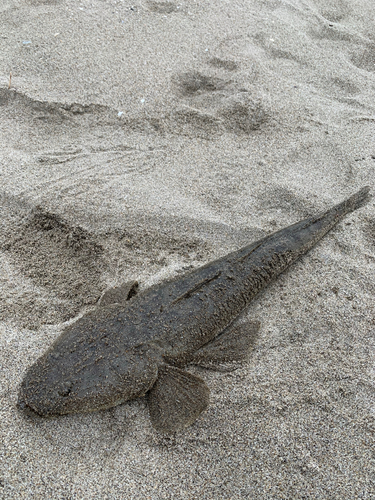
(176, 399)
(229, 349)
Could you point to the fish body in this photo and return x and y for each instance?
(127, 348)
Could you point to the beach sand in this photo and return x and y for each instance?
(141, 139)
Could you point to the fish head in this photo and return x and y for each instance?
(81, 379)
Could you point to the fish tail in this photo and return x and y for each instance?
(316, 227)
(356, 201)
(338, 212)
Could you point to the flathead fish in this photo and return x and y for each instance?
(137, 344)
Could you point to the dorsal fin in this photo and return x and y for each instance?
(119, 294)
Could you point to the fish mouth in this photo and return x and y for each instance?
(43, 399)
(25, 405)
(28, 411)
(62, 406)
(34, 407)
(63, 398)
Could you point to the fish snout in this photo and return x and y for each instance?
(43, 395)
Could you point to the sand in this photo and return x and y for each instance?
(140, 139)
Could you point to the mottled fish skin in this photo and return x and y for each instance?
(119, 351)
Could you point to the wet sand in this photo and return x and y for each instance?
(141, 140)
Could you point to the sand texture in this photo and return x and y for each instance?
(140, 139)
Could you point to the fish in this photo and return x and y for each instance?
(135, 344)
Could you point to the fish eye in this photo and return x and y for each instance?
(65, 389)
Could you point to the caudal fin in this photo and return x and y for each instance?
(320, 224)
(358, 199)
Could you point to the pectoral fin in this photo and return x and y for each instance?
(229, 349)
(119, 294)
(176, 399)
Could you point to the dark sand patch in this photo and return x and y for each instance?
(228, 65)
(162, 7)
(64, 260)
(192, 82)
